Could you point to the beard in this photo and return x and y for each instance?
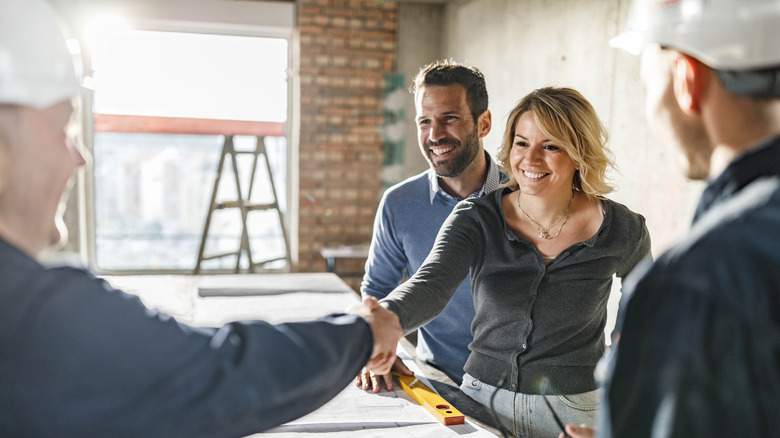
(465, 153)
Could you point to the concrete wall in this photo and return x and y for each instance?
(419, 42)
(524, 45)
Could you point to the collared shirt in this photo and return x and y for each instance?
(492, 182)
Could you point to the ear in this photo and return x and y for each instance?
(689, 76)
(484, 123)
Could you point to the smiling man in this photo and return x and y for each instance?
(452, 118)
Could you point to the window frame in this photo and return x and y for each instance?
(262, 19)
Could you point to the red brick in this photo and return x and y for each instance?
(344, 59)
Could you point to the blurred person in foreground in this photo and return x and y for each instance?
(542, 253)
(78, 358)
(699, 347)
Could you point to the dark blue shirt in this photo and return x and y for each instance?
(80, 359)
(699, 350)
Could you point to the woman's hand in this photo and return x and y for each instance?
(387, 331)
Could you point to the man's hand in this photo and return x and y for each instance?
(387, 331)
(580, 431)
(366, 379)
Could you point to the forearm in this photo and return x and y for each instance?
(421, 298)
(424, 296)
(122, 358)
(264, 375)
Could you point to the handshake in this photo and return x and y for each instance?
(387, 331)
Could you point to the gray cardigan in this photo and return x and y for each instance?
(539, 326)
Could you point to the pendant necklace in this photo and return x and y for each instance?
(544, 232)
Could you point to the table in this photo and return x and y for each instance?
(331, 254)
(212, 300)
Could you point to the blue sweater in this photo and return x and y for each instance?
(405, 229)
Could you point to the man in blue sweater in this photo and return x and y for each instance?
(452, 119)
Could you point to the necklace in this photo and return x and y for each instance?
(544, 232)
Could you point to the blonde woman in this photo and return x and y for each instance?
(542, 252)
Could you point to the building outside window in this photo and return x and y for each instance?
(161, 103)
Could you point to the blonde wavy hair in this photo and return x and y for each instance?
(567, 118)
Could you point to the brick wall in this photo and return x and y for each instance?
(346, 49)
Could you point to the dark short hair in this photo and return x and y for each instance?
(449, 72)
(759, 83)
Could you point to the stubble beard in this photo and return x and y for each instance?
(466, 151)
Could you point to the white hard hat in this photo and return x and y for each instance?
(36, 67)
(723, 34)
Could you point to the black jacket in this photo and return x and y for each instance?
(81, 359)
(699, 350)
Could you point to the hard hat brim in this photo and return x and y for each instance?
(43, 96)
(631, 41)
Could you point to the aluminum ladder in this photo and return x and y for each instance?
(244, 205)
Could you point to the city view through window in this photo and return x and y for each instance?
(152, 187)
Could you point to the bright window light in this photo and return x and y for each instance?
(152, 189)
(193, 75)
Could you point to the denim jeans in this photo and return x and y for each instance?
(527, 415)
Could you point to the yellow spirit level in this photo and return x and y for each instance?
(431, 401)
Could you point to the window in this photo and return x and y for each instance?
(162, 101)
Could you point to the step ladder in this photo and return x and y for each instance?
(244, 206)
